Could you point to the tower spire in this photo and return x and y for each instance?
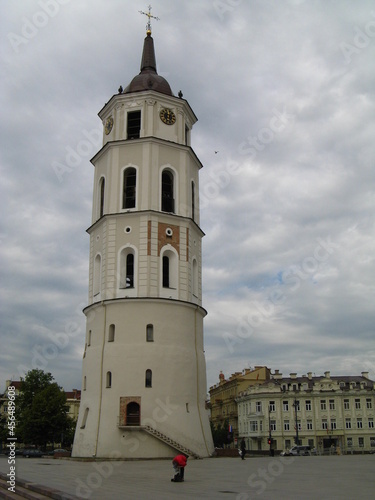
(149, 15)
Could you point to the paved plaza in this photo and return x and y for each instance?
(314, 477)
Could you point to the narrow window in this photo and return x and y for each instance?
(165, 271)
(109, 380)
(84, 382)
(130, 184)
(101, 201)
(186, 135)
(127, 268)
(167, 199)
(84, 420)
(193, 200)
(111, 333)
(89, 338)
(134, 124)
(130, 271)
(148, 378)
(150, 333)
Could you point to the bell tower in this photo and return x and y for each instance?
(144, 370)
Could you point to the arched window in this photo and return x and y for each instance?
(167, 196)
(150, 333)
(127, 268)
(111, 333)
(129, 188)
(165, 271)
(97, 274)
(101, 196)
(133, 414)
(169, 269)
(148, 381)
(109, 380)
(192, 200)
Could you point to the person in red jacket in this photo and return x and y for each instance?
(179, 463)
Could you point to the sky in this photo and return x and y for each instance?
(284, 95)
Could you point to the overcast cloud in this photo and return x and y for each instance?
(284, 93)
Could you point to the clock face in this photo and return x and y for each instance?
(108, 125)
(167, 116)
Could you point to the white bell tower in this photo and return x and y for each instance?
(144, 371)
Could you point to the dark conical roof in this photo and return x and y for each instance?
(148, 78)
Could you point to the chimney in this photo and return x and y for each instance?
(309, 375)
(221, 377)
(327, 374)
(293, 375)
(364, 374)
(277, 375)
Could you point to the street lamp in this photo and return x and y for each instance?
(295, 405)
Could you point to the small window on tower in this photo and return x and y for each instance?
(109, 380)
(134, 124)
(150, 333)
(111, 333)
(148, 378)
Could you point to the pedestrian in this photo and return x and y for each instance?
(179, 463)
(243, 449)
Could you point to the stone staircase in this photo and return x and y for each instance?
(170, 442)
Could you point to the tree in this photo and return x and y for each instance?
(220, 434)
(41, 409)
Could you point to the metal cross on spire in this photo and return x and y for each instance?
(149, 15)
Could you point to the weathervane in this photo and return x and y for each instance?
(148, 14)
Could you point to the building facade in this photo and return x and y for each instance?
(327, 413)
(144, 371)
(223, 396)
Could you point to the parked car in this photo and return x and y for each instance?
(18, 451)
(32, 452)
(297, 451)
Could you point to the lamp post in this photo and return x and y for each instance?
(295, 405)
